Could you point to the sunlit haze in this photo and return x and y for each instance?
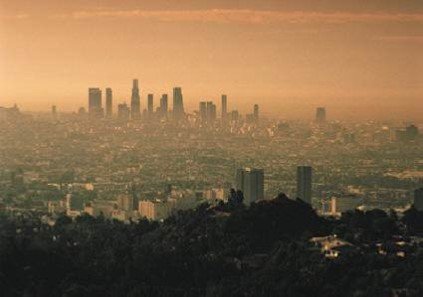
(361, 59)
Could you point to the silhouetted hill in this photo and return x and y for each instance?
(224, 251)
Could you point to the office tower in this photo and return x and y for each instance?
(203, 111)
(178, 104)
(256, 112)
(94, 102)
(164, 105)
(123, 112)
(321, 115)
(209, 105)
(135, 101)
(150, 104)
(211, 112)
(109, 103)
(224, 107)
(207, 110)
(54, 111)
(304, 183)
(251, 183)
(418, 199)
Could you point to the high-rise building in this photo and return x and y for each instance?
(418, 199)
(94, 102)
(150, 104)
(304, 178)
(211, 112)
(207, 110)
(203, 111)
(123, 112)
(164, 105)
(54, 111)
(109, 103)
(135, 101)
(321, 115)
(256, 113)
(251, 183)
(178, 103)
(224, 107)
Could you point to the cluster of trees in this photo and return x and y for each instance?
(228, 250)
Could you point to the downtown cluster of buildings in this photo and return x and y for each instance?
(207, 110)
(132, 111)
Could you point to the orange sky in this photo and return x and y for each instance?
(359, 57)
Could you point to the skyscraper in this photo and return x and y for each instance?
(203, 111)
(135, 101)
(251, 183)
(207, 110)
(178, 103)
(164, 105)
(54, 111)
(109, 103)
(224, 107)
(304, 183)
(94, 102)
(321, 115)
(211, 112)
(150, 104)
(418, 199)
(256, 113)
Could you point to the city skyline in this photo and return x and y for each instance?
(360, 59)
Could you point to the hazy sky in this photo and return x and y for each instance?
(358, 57)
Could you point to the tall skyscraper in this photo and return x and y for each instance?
(211, 112)
(178, 103)
(207, 110)
(418, 199)
(94, 102)
(54, 111)
(224, 107)
(251, 183)
(203, 111)
(304, 178)
(256, 113)
(321, 115)
(150, 104)
(109, 103)
(164, 105)
(135, 101)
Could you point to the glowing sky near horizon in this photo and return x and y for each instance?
(362, 57)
